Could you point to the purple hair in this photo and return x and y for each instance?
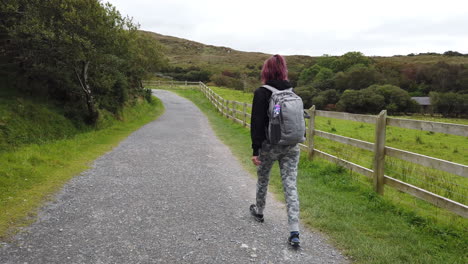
(274, 69)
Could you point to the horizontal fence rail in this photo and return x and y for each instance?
(446, 128)
(239, 112)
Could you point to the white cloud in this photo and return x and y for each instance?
(309, 27)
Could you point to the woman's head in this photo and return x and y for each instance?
(274, 69)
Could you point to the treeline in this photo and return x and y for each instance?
(82, 54)
(358, 84)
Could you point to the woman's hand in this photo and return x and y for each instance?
(256, 161)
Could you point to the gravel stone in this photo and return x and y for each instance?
(171, 192)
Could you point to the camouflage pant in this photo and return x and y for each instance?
(288, 158)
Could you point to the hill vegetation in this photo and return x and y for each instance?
(70, 90)
(82, 54)
(351, 82)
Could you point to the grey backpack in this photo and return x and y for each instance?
(286, 114)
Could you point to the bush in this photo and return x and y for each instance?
(306, 93)
(325, 98)
(226, 81)
(376, 98)
(361, 101)
(357, 77)
(449, 104)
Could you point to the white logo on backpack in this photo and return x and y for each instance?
(286, 114)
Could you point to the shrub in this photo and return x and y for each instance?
(376, 98)
(449, 104)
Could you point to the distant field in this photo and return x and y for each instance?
(442, 146)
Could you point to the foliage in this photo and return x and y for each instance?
(326, 99)
(350, 59)
(308, 75)
(78, 52)
(24, 121)
(357, 77)
(361, 101)
(452, 53)
(227, 81)
(374, 99)
(31, 173)
(192, 73)
(449, 104)
(306, 93)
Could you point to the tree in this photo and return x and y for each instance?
(357, 77)
(324, 79)
(327, 61)
(396, 99)
(350, 59)
(81, 48)
(376, 98)
(308, 75)
(452, 53)
(306, 93)
(449, 104)
(324, 98)
(361, 101)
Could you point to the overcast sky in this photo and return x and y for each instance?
(309, 27)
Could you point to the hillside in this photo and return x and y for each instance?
(351, 82)
(186, 53)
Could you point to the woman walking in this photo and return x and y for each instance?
(265, 152)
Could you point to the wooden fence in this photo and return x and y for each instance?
(240, 113)
(170, 83)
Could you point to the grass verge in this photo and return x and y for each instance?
(30, 174)
(444, 146)
(368, 227)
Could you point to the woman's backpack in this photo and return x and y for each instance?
(286, 114)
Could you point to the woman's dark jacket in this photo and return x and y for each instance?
(259, 120)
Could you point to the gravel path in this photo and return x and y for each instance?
(170, 193)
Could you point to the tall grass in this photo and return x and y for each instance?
(29, 174)
(368, 227)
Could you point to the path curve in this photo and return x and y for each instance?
(170, 193)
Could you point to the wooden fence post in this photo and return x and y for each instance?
(225, 107)
(379, 152)
(233, 110)
(311, 132)
(244, 123)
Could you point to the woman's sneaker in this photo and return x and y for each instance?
(253, 211)
(294, 239)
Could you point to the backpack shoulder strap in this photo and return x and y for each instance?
(271, 88)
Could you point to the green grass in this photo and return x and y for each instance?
(25, 121)
(448, 147)
(368, 227)
(31, 173)
(231, 94)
